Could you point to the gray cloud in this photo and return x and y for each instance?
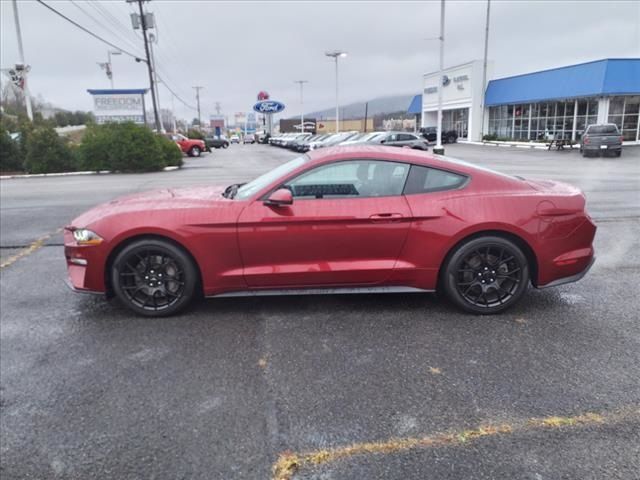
(236, 48)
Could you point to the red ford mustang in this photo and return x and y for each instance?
(349, 219)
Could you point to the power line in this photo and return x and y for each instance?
(120, 29)
(126, 52)
(175, 94)
(107, 42)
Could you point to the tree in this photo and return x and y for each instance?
(10, 158)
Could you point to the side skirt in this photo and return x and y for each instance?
(319, 291)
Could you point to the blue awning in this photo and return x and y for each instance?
(614, 76)
(415, 106)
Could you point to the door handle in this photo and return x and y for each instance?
(386, 217)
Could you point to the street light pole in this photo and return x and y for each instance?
(110, 65)
(438, 149)
(335, 55)
(197, 89)
(25, 87)
(484, 66)
(301, 82)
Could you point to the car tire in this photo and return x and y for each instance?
(154, 278)
(486, 275)
(195, 152)
(619, 153)
(225, 145)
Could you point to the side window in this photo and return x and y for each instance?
(406, 137)
(425, 180)
(351, 179)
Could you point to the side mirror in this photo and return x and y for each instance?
(280, 197)
(383, 141)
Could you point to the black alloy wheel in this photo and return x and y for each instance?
(486, 275)
(154, 278)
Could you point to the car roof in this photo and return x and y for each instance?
(406, 155)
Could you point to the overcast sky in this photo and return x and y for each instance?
(234, 49)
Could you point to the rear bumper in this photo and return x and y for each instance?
(596, 148)
(570, 279)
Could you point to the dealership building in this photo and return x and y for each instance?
(555, 103)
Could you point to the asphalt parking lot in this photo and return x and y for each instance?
(398, 386)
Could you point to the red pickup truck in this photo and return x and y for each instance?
(191, 146)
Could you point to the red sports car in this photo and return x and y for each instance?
(339, 220)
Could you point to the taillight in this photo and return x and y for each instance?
(585, 140)
(621, 139)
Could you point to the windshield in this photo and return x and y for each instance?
(254, 186)
(602, 130)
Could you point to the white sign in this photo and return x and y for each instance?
(120, 107)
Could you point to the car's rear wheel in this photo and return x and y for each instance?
(154, 278)
(195, 151)
(486, 275)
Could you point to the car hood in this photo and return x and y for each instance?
(165, 199)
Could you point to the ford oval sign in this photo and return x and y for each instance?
(268, 106)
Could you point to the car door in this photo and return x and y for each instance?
(405, 140)
(347, 225)
(390, 140)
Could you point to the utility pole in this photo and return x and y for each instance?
(197, 89)
(144, 24)
(153, 39)
(438, 149)
(484, 66)
(25, 67)
(301, 83)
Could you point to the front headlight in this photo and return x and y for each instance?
(86, 237)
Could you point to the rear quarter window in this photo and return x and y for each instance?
(426, 179)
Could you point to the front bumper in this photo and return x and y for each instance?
(85, 265)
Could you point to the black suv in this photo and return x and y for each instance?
(431, 134)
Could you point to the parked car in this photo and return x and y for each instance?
(216, 141)
(365, 218)
(234, 139)
(431, 134)
(249, 138)
(400, 139)
(291, 141)
(361, 138)
(303, 144)
(191, 146)
(602, 138)
(332, 140)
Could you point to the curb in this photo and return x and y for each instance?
(69, 174)
(505, 144)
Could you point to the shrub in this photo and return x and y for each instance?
(171, 152)
(490, 138)
(123, 147)
(10, 158)
(48, 153)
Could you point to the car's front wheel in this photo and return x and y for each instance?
(195, 151)
(486, 275)
(154, 278)
(225, 145)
